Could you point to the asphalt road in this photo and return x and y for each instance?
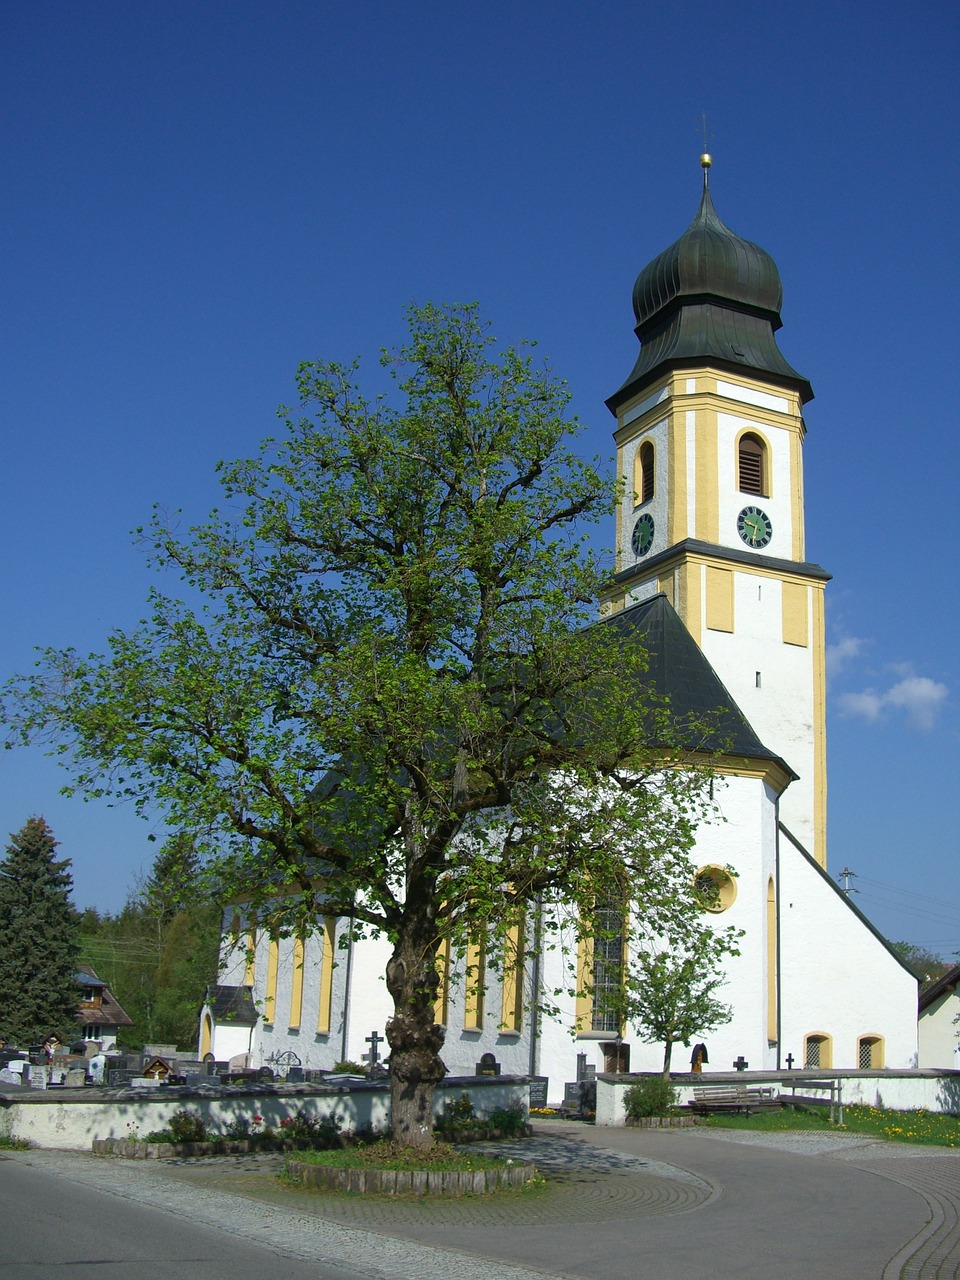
(52, 1227)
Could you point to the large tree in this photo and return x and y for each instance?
(391, 706)
(39, 929)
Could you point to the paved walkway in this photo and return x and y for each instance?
(660, 1204)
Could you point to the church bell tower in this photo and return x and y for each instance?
(709, 439)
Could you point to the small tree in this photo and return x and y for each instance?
(39, 930)
(669, 993)
(392, 708)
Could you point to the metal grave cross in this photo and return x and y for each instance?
(741, 1063)
(789, 1061)
(374, 1040)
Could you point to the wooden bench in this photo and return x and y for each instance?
(736, 1098)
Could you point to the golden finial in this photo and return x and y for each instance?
(706, 159)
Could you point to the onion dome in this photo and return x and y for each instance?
(711, 297)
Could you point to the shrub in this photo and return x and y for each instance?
(651, 1096)
(511, 1121)
(347, 1068)
(321, 1132)
(238, 1130)
(458, 1113)
(188, 1126)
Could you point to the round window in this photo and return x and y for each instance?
(715, 888)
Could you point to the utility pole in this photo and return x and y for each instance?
(846, 875)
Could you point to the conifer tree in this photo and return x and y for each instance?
(39, 932)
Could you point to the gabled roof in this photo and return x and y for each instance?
(845, 898)
(678, 670)
(232, 1004)
(108, 1012)
(948, 981)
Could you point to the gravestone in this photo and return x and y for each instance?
(39, 1076)
(538, 1090)
(295, 1075)
(75, 1078)
(8, 1077)
(571, 1096)
(488, 1065)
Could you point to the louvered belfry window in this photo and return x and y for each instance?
(646, 471)
(752, 466)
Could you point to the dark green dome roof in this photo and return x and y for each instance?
(712, 298)
(709, 260)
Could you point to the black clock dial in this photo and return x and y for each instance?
(642, 538)
(754, 527)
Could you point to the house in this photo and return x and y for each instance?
(939, 1010)
(99, 1015)
(713, 579)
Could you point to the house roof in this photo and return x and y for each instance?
(678, 670)
(109, 1012)
(232, 1004)
(948, 981)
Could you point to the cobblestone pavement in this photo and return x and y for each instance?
(595, 1176)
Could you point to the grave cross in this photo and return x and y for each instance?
(741, 1063)
(789, 1061)
(373, 1057)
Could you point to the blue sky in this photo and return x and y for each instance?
(195, 197)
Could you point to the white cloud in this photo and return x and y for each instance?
(918, 697)
(867, 704)
(841, 652)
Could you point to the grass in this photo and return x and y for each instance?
(392, 1155)
(926, 1127)
(14, 1144)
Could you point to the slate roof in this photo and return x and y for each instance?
(232, 1004)
(678, 670)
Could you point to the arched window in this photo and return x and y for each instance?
(771, 961)
(752, 465)
(870, 1052)
(643, 473)
(817, 1051)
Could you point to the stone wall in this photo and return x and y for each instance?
(71, 1119)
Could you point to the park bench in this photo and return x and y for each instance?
(737, 1098)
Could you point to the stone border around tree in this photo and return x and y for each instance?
(662, 1122)
(417, 1182)
(132, 1149)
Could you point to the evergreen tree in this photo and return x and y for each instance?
(39, 932)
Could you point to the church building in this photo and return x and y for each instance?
(713, 579)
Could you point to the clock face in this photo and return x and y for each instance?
(754, 527)
(642, 539)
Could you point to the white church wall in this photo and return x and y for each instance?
(837, 977)
(773, 687)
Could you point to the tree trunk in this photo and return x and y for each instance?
(415, 1040)
(667, 1054)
